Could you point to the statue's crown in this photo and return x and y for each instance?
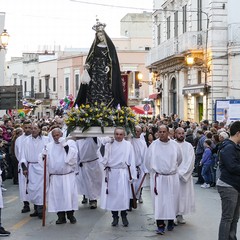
(99, 26)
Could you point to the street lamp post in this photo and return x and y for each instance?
(4, 38)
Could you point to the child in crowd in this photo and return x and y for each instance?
(206, 163)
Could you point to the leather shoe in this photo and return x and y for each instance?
(26, 209)
(34, 214)
(72, 220)
(61, 221)
(115, 221)
(124, 221)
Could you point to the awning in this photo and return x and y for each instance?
(139, 110)
(153, 96)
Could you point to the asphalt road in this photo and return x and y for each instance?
(96, 224)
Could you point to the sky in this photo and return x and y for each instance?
(33, 24)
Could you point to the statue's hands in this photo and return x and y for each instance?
(107, 69)
(86, 66)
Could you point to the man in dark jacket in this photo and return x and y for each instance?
(229, 183)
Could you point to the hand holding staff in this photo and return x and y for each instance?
(132, 188)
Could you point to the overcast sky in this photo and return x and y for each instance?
(35, 23)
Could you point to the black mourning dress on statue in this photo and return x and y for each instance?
(105, 86)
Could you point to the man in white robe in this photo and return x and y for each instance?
(162, 160)
(89, 177)
(62, 164)
(22, 180)
(32, 166)
(186, 194)
(115, 195)
(140, 148)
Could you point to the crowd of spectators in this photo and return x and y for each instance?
(195, 133)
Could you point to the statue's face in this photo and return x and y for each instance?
(100, 36)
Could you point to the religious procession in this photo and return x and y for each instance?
(53, 162)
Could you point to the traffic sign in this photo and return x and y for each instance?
(146, 107)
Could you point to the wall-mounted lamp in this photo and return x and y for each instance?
(190, 59)
(140, 78)
(4, 38)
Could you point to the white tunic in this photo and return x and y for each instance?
(62, 192)
(89, 178)
(117, 156)
(186, 197)
(162, 161)
(140, 149)
(32, 158)
(22, 180)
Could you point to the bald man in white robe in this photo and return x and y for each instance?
(162, 160)
(186, 194)
(115, 195)
(62, 163)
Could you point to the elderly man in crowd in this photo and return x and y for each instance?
(62, 162)
(32, 165)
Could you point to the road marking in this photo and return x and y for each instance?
(10, 199)
(21, 223)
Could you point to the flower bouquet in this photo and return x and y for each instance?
(86, 116)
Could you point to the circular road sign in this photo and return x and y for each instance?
(146, 107)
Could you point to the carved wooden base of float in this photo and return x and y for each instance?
(92, 132)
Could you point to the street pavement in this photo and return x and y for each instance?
(96, 224)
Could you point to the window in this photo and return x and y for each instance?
(40, 85)
(25, 86)
(66, 86)
(15, 81)
(176, 24)
(21, 82)
(77, 83)
(199, 77)
(168, 27)
(199, 15)
(159, 34)
(32, 86)
(184, 18)
(54, 84)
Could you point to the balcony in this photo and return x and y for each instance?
(177, 46)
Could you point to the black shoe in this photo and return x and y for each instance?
(213, 185)
(3, 232)
(93, 204)
(124, 221)
(85, 200)
(34, 214)
(72, 219)
(25, 209)
(115, 221)
(61, 221)
(40, 215)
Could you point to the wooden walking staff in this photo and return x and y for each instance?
(44, 185)
(141, 183)
(132, 188)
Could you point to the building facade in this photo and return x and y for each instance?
(196, 30)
